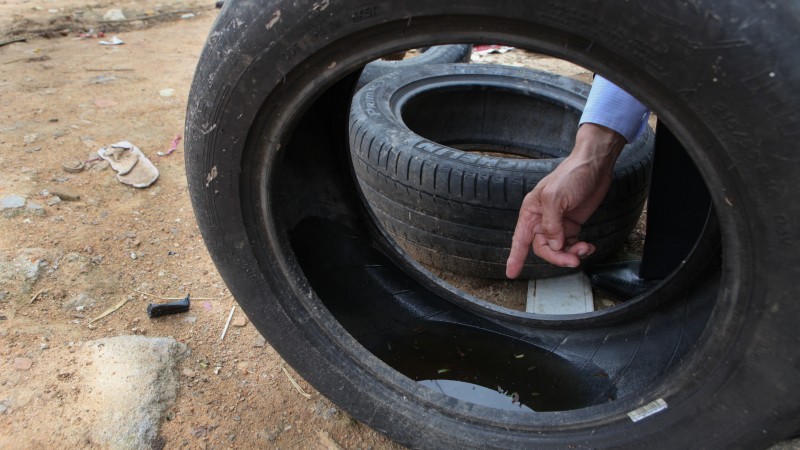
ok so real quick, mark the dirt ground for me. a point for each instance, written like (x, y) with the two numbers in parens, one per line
(60, 100)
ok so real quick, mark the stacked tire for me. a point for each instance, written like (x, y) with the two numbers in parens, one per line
(445, 154)
(439, 54)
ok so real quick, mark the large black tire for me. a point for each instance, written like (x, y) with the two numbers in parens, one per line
(713, 365)
(438, 54)
(456, 209)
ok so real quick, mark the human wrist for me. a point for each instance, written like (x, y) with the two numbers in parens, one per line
(597, 145)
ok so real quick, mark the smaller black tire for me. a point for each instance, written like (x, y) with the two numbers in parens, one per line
(455, 209)
(440, 54)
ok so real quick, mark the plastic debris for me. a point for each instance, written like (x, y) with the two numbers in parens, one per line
(91, 34)
(488, 49)
(172, 148)
(114, 15)
(165, 309)
(113, 41)
(132, 167)
(227, 324)
(167, 92)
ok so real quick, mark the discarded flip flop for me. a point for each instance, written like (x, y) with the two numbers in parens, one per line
(121, 156)
(141, 174)
(72, 166)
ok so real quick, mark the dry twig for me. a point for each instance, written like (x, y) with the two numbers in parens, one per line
(36, 296)
(110, 310)
(11, 41)
(294, 383)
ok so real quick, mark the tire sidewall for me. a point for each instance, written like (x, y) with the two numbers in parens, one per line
(753, 337)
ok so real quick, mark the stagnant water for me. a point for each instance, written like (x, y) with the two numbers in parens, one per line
(429, 339)
(521, 375)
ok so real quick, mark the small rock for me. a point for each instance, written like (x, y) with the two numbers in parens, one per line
(72, 166)
(23, 363)
(35, 208)
(187, 16)
(81, 300)
(168, 92)
(30, 138)
(189, 373)
(54, 200)
(190, 319)
(114, 14)
(102, 79)
(606, 303)
(12, 201)
(26, 267)
(324, 410)
(268, 435)
(259, 341)
(3, 407)
(65, 193)
(44, 346)
(133, 255)
(239, 321)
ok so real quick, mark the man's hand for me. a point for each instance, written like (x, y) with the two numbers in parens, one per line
(551, 215)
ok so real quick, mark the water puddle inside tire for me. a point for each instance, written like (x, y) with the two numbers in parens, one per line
(431, 340)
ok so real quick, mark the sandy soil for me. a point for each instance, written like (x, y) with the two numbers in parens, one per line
(61, 99)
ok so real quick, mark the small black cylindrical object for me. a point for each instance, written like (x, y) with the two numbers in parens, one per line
(165, 309)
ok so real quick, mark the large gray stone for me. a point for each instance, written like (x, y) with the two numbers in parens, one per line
(133, 382)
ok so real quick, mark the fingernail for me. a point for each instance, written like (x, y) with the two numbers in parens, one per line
(553, 244)
(582, 253)
(572, 266)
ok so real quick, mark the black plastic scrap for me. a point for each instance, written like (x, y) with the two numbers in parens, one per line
(165, 309)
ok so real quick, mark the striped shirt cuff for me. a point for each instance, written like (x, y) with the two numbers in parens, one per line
(610, 106)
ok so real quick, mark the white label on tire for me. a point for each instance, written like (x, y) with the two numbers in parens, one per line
(648, 410)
